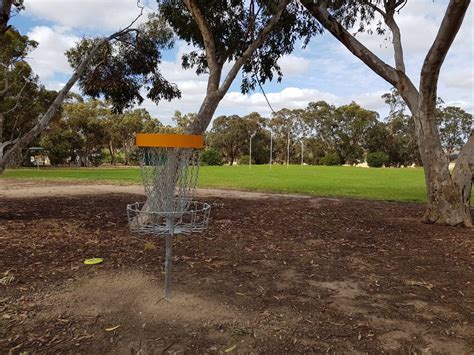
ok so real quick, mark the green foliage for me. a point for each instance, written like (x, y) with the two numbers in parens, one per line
(377, 159)
(211, 156)
(15, 47)
(96, 159)
(124, 67)
(330, 159)
(117, 158)
(231, 135)
(61, 144)
(245, 159)
(343, 128)
(455, 127)
(183, 121)
(286, 125)
(22, 98)
(234, 25)
(86, 128)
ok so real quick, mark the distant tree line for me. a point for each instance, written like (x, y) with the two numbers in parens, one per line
(90, 133)
(323, 134)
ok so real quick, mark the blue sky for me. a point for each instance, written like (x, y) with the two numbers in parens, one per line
(324, 70)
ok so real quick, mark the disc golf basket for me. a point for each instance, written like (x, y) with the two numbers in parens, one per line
(170, 166)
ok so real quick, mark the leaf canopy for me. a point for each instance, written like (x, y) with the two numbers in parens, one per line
(126, 65)
(235, 25)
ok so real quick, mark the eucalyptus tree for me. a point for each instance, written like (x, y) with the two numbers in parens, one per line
(351, 124)
(6, 8)
(229, 134)
(248, 35)
(455, 126)
(22, 97)
(448, 192)
(139, 49)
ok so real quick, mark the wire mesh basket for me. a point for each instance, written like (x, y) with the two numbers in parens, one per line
(170, 175)
(170, 168)
(194, 220)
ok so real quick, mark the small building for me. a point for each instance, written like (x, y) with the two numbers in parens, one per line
(37, 156)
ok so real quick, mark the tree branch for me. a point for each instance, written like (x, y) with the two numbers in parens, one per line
(5, 11)
(396, 36)
(43, 122)
(397, 78)
(262, 36)
(17, 99)
(5, 80)
(6, 144)
(209, 44)
(374, 7)
(448, 30)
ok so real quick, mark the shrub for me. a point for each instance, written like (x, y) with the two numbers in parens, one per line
(96, 159)
(211, 157)
(244, 160)
(330, 159)
(377, 159)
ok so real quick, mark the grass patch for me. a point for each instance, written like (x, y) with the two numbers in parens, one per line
(380, 184)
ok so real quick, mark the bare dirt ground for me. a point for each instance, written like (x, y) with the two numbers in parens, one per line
(48, 188)
(272, 274)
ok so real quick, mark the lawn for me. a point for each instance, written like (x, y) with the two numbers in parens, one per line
(380, 184)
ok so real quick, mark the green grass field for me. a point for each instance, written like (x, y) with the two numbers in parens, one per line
(380, 184)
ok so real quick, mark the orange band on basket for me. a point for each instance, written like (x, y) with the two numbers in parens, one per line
(163, 140)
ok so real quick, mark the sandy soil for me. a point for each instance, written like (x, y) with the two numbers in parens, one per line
(45, 188)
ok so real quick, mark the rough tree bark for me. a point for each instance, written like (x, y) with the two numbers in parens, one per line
(22, 142)
(448, 193)
(5, 10)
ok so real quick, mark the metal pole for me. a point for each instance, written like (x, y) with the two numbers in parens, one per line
(250, 155)
(271, 149)
(288, 150)
(169, 257)
(302, 152)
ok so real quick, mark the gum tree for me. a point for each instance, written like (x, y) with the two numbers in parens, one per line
(137, 54)
(448, 192)
(248, 35)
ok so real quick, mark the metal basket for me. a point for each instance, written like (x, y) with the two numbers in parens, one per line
(194, 219)
(170, 168)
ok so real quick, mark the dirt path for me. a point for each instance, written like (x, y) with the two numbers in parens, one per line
(53, 188)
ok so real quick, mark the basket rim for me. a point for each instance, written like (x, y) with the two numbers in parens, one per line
(203, 206)
(169, 140)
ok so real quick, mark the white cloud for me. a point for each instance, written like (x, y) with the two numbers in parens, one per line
(238, 103)
(324, 71)
(290, 97)
(294, 65)
(458, 78)
(48, 58)
(103, 15)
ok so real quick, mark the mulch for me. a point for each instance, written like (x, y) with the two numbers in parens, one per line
(303, 275)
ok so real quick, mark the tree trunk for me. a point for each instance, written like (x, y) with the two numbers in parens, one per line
(112, 154)
(28, 137)
(43, 122)
(463, 176)
(5, 10)
(206, 111)
(448, 197)
(2, 119)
